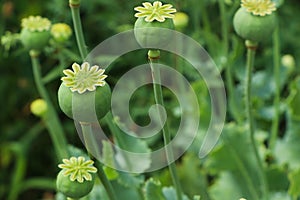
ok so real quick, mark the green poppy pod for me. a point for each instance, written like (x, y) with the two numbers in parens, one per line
(35, 33)
(252, 27)
(153, 34)
(73, 189)
(83, 106)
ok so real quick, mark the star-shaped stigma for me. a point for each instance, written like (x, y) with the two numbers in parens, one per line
(259, 7)
(36, 23)
(84, 78)
(157, 11)
(78, 169)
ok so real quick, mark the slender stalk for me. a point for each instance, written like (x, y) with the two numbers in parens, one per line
(51, 119)
(166, 133)
(20, 149)
(107, 185)
(251, 48)
(86, 128)
(90, 144)
(75, 5)
(19, 172)
(39, 183)
(31, 134)
(276, 57)
(229, 80)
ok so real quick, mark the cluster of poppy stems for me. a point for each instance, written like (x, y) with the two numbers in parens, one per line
(86, 78)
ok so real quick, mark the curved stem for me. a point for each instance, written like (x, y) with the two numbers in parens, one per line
(251, 48)
(78, 30)
(19, 172)
(276, 53)
(166, 133)
(89, 140)
(51, 119)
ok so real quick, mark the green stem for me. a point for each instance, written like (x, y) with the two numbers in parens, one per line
(196, 6)
(107, 185)
(166, 133)
(224, 26)
(51, 119)
(89, 140)
(251, 48)
(78, 29)
(57, 71)
(205, 19)
(19, 171)
(229, 80)
(276, 53)
(39, 183)
(31, 134)
(86, 128)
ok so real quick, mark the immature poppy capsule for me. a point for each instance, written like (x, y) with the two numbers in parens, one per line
(77, 177)
(61, 32)
(35, 32)
(152, 20)
(181, 20)
(39, 107)
(84, 92)
(255, 20)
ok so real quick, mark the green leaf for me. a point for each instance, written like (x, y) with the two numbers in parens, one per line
(170, 194)
(192, 177)
(130, 180)
(294, 189)
(110, 173)
(277, 178)
(234, 158)
(226, 187)
(97, 193)
(133, 145)
(287, 149)
(262, 85)
(294, 99)
(123, 192)
(108, 158)
(153, 190)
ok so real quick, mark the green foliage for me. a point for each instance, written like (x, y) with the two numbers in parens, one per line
(294, 178)
(108, 158)
(153, 190)
(287, 149)
(241, 169)
(193, 177)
